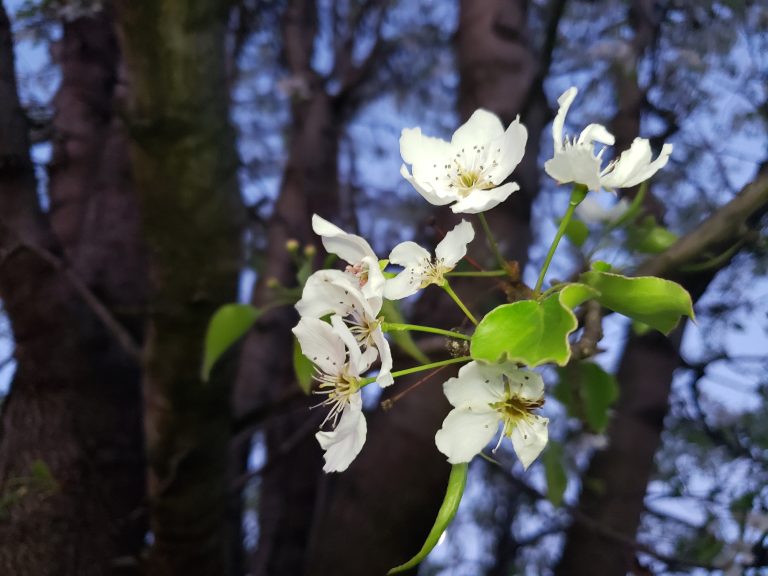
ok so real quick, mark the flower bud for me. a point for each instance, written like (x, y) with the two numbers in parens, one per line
(292, 245)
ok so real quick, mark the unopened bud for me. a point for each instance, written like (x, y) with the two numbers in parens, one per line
(273, 282)
(292, 245)
(310, 250)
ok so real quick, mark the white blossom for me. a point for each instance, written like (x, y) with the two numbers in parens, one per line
(363, 264)
(485, 397)
(575, 159)
(420, 268)
(592, 212)
(334, 292)
(468, 171)
(339, 363)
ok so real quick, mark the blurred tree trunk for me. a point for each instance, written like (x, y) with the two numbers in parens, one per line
(75, 401)
(185, 169)
(289, 485)
(383, 506)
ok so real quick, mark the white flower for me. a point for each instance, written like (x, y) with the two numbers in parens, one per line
(362, 260)
(334, 292)
(470, 168)
(592, 212)
(575, 159)
(420, 269)
(485, 396)
(339, 380)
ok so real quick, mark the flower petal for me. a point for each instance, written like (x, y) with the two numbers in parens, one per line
(373, 289)
(524, 383)
(409, 254)
(575, 164)
(405, 284)
(530, 438)
(321, 344)
(324, 293)
(384, 378)
(357, 363)
(453, 247)
(343, 444)
(348, 247)
(475, 388)
(482, 200)
(596, 133)
(481, 128)
(426, 190)
(635, 166)
(464, 434)
(565, 101)
(507, 151)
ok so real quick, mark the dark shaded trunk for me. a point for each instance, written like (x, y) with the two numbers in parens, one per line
(75, 398)
(185, 169)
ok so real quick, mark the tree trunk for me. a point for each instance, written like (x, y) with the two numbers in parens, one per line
(185, 169)
(74, 403)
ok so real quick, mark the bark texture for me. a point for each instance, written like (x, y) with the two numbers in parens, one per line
(185, 169)
(75, 397)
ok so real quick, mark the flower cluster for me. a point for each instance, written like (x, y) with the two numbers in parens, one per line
(342, 330)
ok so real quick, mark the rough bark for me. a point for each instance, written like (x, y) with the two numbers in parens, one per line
(75, 398)
(185, 169)
(615, 483)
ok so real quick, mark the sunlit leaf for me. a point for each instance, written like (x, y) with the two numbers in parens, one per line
(530, 331)
(654, 301)
(456, 483)
(227, 326)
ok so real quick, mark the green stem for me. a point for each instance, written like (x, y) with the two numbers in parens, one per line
(394, 327)
(577, 195)
(421, 368)
(459, 303)
(492, 241)
(478, 273)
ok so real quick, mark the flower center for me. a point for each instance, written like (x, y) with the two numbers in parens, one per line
(433, 272)
(337, 389)
(359, 271)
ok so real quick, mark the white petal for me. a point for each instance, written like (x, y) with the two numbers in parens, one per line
(482, 200)
(591, 211)
(634, 165)
(524, 383)
(565, 101)
(480, 129)
(384, 378)
(357, 363)
(428, 157)
(507, 151)
(374, 288)
(343, 444)
(321, 344)
(596, 133)
(348, 247)
(575, 164)
(324, 294)
(426, 190)
(408, 254)
(529, 439)
(453, 247)
(475, 388)
(464, 434)
(405, 284)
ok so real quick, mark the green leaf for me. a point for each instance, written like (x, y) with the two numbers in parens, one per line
(650, 238)
(588, 392)
(302, 367)
(227, 326)
(403, 338)
(577, 232)
(456, 483)
(530, 331)
(654, 301)
(557, 479)
(601, 266)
